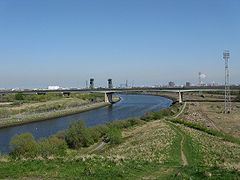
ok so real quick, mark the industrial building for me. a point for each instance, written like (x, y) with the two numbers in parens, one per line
(171, 84)
(91, 83)
(110, 84)
(188, 84)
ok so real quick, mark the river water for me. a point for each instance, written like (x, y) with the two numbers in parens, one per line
(129, 106)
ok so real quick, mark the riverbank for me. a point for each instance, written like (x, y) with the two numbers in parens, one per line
(43, 116)
(51, 115)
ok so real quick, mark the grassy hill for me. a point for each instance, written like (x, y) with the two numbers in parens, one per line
(159, 149)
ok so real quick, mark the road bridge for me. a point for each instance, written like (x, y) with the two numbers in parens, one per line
(109, 92)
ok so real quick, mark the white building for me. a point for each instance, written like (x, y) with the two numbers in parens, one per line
(53, 87)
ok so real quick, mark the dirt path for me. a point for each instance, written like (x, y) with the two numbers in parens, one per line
(183, 157)
(205, 116)
(184, 160)
(183, 108)
(99, 147)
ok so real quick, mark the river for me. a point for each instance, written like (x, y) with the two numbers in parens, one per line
(129, 106)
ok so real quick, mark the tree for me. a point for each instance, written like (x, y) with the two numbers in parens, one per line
(78, 136)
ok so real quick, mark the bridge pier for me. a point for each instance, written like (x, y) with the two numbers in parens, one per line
(41, 93)
(108, 97)
(66, 94)
(180, 97)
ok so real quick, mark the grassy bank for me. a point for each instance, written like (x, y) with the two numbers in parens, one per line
(157, 146)
(203, 128)
(104, 168)
(150, 150)
(21, 109)
(51, 115)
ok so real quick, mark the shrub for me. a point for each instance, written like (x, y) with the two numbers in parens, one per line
(23, 145)
(114, 136)
(123, 124)
(19, 97)
(101, 129)
(51, 146)
(157, 115)
(94, 134)
(78, 136)
(60, 135)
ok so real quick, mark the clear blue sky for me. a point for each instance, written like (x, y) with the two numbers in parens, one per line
(65, 42)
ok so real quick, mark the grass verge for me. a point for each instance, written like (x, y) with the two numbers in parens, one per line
(200, 127)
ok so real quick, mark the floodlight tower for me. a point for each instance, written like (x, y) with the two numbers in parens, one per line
(227, 100)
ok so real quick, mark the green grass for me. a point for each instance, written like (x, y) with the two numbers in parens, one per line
(101, 168)
(191, 151)
(201, 172)
(88, 169)
(175, 150)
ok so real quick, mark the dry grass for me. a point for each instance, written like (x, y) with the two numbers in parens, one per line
(150, 142)
(4, 158)
(211, 114)
(214, 150)
(43, 114)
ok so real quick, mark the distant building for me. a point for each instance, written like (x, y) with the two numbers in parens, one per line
(53, 87)
(110, 84)
(91, 83)
(188, 84)
(171, 84)
(126, 83)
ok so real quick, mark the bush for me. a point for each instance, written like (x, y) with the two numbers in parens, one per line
(123, 124)
(23, 145)
(101, 129)
(114, 136)
(51, 146)
(96, 135)
(19, 97)
(157, 115)
(78, 136)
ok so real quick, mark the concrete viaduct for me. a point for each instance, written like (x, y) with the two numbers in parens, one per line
(109, 92)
